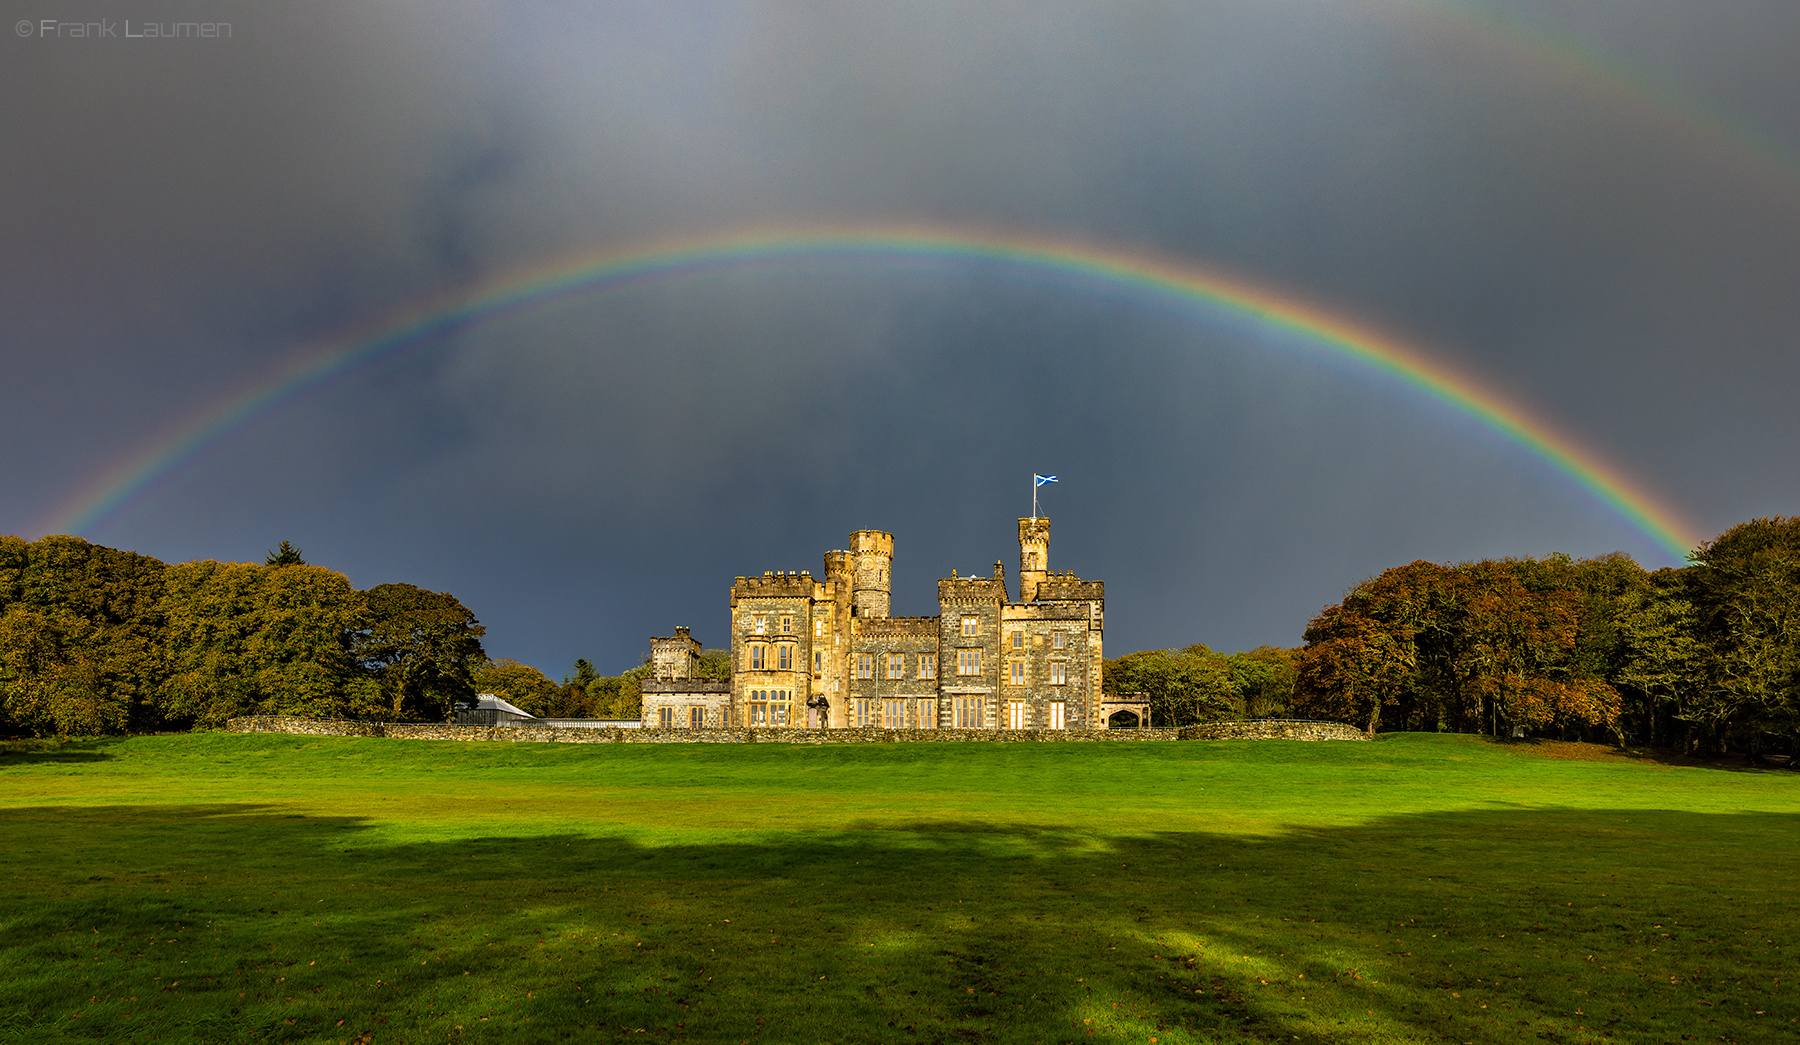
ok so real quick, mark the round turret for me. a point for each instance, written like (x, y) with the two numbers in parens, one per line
(872, 555)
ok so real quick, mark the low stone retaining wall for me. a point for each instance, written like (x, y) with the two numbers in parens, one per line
(543, 734)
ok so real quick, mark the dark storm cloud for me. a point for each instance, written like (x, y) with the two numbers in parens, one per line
(186, 216)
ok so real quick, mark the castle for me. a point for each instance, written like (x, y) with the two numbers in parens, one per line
(825, 654)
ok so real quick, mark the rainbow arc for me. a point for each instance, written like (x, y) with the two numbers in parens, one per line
(1133, 274)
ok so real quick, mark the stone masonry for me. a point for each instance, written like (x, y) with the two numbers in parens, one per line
(826, 654)
(613, 735)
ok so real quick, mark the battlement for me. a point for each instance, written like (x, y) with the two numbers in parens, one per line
(965, 590)
(1066, 587)
(897, 627)
(774, 584)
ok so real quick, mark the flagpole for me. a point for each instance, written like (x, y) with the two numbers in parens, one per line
(1034, 486)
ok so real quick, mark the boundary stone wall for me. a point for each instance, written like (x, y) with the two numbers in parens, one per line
(608, 735)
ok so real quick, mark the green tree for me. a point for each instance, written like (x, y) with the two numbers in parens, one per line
(1662, 662)
(79, 637)
(1264, 680)
(1745, 587)
(243, 639)
(715, 665)
(1183, 686)
(422, 647)
(523, 686)
(285, 555)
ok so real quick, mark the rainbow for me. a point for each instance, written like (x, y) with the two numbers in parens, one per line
(1114, 271)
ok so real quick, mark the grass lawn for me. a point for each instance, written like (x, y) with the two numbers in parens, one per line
(1422, 888)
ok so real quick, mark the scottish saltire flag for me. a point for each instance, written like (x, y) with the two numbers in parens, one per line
(1042, 479)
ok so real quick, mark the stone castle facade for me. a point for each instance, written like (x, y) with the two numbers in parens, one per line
(824, 653)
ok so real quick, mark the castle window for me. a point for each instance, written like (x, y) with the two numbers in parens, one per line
(665, 717)
(1018, 673)
(968, 662)
(760, 625)
(1059, 639)
(784, 657)
(758, 657)
(1018, 640)
(893, 714)
(927, 714)
(1056, 715)
(1015, 714)
(818, 627)
(896, 666)
(969, 625)
(968, 712)
(1059, 673)
(787, 625)
(928, 665)
(818, 662)
(865, 666)
(862, 713)
(696, 718)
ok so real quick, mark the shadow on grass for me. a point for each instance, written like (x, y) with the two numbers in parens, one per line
(46, 750)
(233, 922)
(1581, 751)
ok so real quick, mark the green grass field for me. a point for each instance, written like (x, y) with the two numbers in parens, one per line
(256, 888)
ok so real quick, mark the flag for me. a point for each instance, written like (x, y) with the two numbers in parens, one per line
(1042, 479)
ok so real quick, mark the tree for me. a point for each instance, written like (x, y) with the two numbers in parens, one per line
(523, 686)
(714, 666)
(79, 637)
(1264, 680)
(1662, 661)
(1352, 667)
(285, 555)
(1183, 686)
(1469, 644)
(1745, 587)
(243, 639)
(422, 647)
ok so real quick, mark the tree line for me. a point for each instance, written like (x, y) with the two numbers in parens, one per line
(96, 640)
(1704, 657)
(584, 693)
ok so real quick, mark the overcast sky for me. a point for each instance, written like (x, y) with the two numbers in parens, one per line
(1590, 206)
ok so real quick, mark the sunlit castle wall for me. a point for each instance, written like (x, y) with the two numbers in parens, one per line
(873, 552)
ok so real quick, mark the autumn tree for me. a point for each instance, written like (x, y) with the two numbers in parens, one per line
(1462, 645)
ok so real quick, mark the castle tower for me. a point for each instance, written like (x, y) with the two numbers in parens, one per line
(872, 553)
(1034, 556)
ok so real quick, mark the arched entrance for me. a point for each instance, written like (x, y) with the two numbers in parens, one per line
(1124, 711)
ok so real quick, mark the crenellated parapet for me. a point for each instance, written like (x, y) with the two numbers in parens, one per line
(971, 591)
(1064, 586)
(774, 584)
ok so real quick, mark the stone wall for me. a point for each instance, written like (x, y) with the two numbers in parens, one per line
(541, 734)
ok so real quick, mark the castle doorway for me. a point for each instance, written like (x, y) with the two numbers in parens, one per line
(1124, 711)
